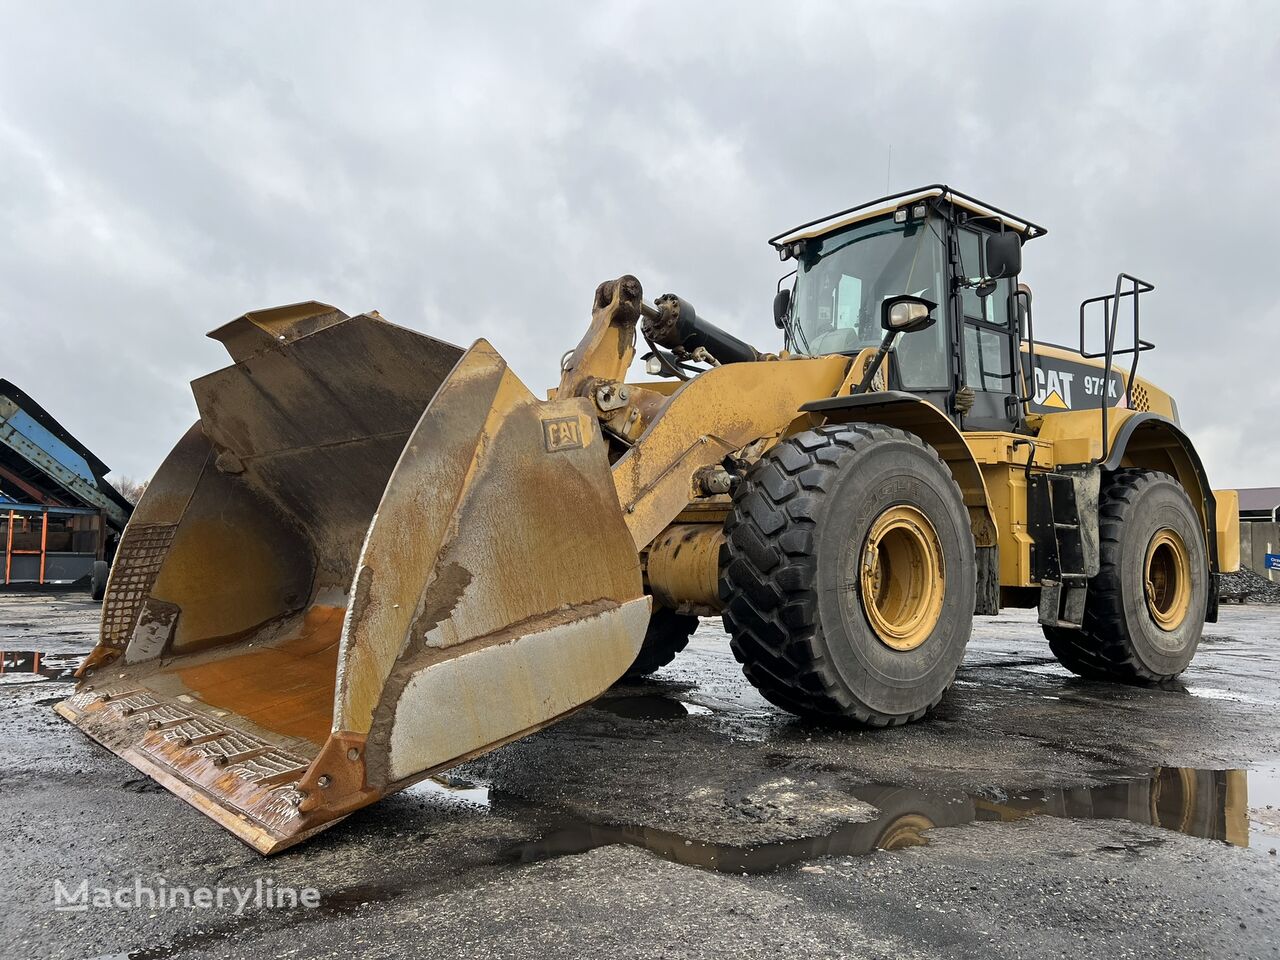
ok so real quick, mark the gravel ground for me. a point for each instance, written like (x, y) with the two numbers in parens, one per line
(1034, 815)
(1249, 586)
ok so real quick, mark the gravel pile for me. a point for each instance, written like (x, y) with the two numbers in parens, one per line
(1248, 586)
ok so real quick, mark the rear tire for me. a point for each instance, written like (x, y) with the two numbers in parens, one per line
(98, 580)
(850, 578)
(1066, 646)
(1144, 611)
(668, 633)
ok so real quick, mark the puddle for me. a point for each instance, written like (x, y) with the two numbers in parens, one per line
(1264, 808)
(1216, 693)
(451, 790)
(649, 706)
(1212, 804)
(1047, 669)
(26, 666)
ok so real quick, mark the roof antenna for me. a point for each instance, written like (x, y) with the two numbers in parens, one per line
(887, 167)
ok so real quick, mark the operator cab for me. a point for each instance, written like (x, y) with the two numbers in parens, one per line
(932, 243)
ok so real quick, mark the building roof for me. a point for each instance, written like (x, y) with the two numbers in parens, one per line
(1259, 498)
(42, 463)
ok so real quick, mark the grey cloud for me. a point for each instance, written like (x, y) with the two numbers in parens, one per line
(476, 170)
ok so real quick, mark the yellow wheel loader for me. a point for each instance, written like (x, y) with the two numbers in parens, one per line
(377, 555)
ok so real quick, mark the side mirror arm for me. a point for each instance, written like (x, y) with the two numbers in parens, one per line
(874, 366)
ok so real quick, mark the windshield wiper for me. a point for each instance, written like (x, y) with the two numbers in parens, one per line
(798, 336)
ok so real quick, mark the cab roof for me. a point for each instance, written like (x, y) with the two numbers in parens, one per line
(877, 208)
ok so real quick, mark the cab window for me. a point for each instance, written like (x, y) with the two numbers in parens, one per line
(987, 333)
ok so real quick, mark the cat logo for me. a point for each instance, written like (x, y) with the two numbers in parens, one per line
(1072, 385)
(1053, 388)
(562, 433)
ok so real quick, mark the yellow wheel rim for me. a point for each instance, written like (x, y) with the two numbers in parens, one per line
(1167, 579)
(907, 831)
(1173, 799)
(902, 577)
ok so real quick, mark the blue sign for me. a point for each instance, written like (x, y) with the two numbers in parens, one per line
(1273, 561)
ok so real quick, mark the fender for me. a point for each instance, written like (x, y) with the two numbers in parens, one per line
(1157, 443)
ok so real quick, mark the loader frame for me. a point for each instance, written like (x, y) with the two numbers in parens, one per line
(378, 555)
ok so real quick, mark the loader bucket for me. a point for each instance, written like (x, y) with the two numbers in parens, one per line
(374, 557)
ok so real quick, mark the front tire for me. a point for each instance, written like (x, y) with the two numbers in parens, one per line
(667, 634)
(1144, 611)
(850, 579)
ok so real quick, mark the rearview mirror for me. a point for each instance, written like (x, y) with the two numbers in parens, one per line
(906, 314)
(781, 304)
(1004, 255)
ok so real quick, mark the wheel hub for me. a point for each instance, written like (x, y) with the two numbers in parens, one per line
(902, 577)
(1167, 579)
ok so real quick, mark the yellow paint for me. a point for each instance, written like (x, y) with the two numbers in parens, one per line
(1004, 470)
(478, 539)
(1076, 435)
(683, 568)
(714, 414)
(1228, 510)
(226, 578)
(1235, 809)
(609, 345)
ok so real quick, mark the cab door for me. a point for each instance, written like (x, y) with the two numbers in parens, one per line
(988, 340)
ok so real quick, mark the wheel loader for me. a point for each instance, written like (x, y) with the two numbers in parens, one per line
(377, 554)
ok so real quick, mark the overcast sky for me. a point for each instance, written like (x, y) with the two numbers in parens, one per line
(476, 169)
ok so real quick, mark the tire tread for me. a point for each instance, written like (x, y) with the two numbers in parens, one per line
(668, 634)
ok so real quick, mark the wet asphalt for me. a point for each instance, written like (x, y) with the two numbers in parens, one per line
(1033, 815)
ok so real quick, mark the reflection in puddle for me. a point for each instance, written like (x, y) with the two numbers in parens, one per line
(28, 665)
(1201, 803)
(1216, 693)
(645, 707)
(650, 706)
(1264, 808)
(450, 789)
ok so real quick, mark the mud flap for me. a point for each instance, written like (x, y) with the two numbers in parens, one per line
(322, 598)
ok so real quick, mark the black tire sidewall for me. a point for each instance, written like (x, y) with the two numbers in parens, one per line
(1160, 504)
(884, 474)
(98, 579)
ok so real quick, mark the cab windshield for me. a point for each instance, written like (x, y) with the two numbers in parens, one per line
(843, 279)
